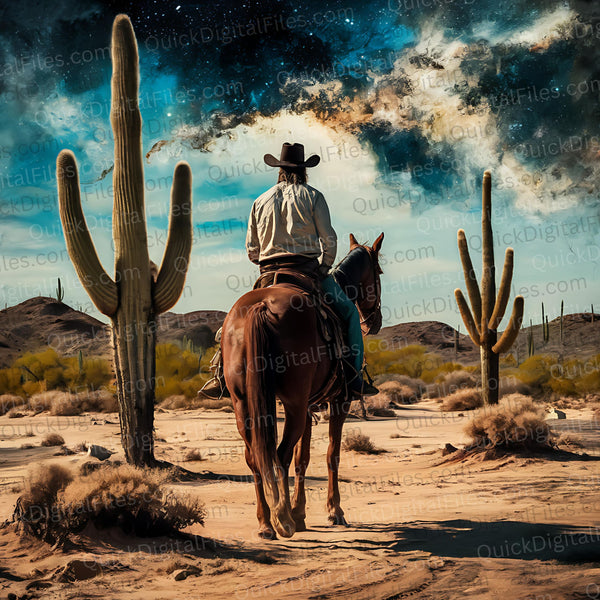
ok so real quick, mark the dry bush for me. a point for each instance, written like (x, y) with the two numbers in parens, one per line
(399, 392)
(511, 385)
(181, 402)
(43, 400)
(193, 455)
(10, 401)
(417, 386)
(360, 443)
(99, 401)
(515, 422)
(452, 382)
(381, 412)
(463, 399)
(176, 402)
(53, 439)
(135, 499)
(13, 413)
(65, 405)
(570, 441)
(35, 508)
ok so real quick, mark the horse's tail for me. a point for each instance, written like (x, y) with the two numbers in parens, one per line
(260, 394)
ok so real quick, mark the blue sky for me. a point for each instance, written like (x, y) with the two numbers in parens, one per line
(407, 107)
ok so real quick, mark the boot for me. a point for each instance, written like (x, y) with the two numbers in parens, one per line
(215, 387)
(359, 386)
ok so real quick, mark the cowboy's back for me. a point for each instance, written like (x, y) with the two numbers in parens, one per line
(291, 219)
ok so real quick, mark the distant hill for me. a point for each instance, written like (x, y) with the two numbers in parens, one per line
(40, 322)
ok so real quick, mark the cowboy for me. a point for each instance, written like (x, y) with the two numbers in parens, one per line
(290, 227)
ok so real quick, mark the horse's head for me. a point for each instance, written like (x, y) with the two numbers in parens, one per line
(358, 274)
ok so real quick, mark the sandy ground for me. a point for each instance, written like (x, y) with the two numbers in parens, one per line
(420, 526)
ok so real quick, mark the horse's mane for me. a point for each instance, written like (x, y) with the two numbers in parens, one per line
(342, 272)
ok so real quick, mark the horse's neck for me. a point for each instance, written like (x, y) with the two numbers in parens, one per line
(349, 279)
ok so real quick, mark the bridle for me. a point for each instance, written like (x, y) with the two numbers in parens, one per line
(371, 319)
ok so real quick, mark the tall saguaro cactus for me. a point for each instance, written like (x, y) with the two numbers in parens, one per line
(135, 296)
(487, 307)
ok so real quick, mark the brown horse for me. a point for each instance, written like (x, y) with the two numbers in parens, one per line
(272, 348)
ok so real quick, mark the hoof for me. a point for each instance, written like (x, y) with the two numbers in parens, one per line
(267, 533)
(300, 525)
(286, 531)
(338, 520)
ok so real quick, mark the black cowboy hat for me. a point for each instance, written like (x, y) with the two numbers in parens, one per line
(292, 155)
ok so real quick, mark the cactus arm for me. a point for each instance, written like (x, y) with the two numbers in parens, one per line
(504, 290)
(96, 281)
(488, 283)
(174, 266)
(470, 277)
(512, 330)
(467, 317)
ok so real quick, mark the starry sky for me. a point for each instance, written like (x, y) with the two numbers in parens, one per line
(406, 101)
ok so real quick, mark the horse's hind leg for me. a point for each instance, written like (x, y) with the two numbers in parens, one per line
(263, 513)
(338, 411)
(301, 459)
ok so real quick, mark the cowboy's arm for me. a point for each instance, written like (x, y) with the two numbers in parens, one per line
(327, 235)
(252, 243)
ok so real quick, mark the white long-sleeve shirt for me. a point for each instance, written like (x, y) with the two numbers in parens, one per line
(291, 219)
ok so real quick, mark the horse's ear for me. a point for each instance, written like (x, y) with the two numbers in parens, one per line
(353, 242)
(377, 243)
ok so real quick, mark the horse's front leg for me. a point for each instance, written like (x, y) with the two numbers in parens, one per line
(301, 459)
(338, 411)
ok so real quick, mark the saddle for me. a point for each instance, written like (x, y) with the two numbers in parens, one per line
(329, 324)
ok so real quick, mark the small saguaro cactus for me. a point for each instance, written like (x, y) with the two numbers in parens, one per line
(530, 341)
(60, 292)
(136, 295)
(487, 308)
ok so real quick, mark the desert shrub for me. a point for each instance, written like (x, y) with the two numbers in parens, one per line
(193, 455)
(133, 498)
(417, 386)
(434, 368)
(10, 401)
(178, 372)
(515, 422)
(381, 411)
(452, 382)
(413, 360)
(53, 439)
(101, 400)
(570, 441)
(400, 393)
(68, 404)
(11, 382)
(361, 443)
(462, 399)
(182, 402)
(509, 384)
(44, 366)
(34, 509)
(35, 373)
(65, 405)
(14, 413)
(535, 372)
(44, 400)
